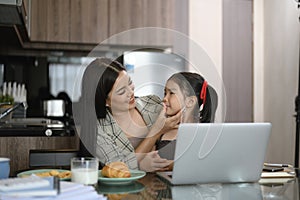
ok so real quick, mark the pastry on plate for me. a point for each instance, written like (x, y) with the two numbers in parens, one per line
(116, 170)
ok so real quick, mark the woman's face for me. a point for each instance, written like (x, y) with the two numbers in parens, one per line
(174, 98)
(121, 97)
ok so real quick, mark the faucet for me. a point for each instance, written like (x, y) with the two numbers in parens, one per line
(4, 103)
(9, 110)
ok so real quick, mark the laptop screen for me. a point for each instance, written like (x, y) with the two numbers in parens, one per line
(220, 152)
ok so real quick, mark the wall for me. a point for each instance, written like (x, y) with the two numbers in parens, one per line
(205, 29)
(237, 59)
(275, 63)
(223, 28)
(276, 47)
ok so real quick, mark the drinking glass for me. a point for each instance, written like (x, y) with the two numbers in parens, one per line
(4, 167)
(84, 170)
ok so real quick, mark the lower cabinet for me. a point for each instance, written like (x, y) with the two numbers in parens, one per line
(17, 148)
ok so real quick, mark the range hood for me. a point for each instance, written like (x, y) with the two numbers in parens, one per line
(12, 12)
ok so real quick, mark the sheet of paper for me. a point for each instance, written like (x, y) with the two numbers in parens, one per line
(69, 190)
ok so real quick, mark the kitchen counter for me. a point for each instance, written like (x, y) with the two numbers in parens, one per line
(28, 130)
(35, 127)
(19, 141)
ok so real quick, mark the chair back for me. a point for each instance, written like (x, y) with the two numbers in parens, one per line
(51, 158)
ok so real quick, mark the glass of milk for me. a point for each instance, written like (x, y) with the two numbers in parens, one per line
(84, 170)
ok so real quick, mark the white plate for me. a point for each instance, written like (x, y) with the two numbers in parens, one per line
(133, 187)
(30, 172)
(135, 175)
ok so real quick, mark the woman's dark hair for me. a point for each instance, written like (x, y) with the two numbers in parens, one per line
(97, 81)
(105, 84)
(191, 85)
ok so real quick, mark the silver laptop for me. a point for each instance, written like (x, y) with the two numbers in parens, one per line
(219, 153)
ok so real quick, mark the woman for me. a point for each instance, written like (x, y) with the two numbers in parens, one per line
(127, 127)
(190, 93)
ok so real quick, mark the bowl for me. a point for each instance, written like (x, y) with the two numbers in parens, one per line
(4, 167)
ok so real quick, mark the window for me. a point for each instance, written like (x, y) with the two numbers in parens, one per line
(65, 77)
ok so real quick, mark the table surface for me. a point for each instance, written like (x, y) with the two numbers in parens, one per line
(154, 187)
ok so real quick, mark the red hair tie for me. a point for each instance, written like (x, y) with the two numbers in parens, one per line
(203, 92)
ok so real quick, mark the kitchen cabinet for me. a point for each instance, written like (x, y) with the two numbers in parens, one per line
(17, 148)
(49, 20)
(66, 21)
(128, 14)
(88, 21)
(93, 21)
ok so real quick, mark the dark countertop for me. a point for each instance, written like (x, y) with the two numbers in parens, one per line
(29, 130)
(24, 127)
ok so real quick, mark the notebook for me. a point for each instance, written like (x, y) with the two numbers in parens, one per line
(31, 186)
(219, 153)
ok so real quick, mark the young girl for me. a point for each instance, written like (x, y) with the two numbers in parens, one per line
(190, 93)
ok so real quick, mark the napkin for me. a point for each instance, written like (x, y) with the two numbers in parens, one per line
(68, 191)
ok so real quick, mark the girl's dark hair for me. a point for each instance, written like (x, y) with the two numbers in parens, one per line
(191, 85)
(105, 84)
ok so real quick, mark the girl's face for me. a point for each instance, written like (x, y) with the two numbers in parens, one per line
(121, 97)
(174, 98)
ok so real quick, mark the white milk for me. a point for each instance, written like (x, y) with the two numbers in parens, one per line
(85, 176)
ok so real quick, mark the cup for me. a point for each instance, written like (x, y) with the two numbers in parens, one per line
(4, 168)
(84, 170)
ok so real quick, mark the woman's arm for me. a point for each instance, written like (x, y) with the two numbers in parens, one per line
(108, 150)
(161, 126)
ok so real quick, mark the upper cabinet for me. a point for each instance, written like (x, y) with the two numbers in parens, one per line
(88, 21)
(75, 21)
(129, 14)
(93, 21)
(49, 20)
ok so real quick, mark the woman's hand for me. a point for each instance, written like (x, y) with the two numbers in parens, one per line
(172, 122)
(153, 162)
(164, 123)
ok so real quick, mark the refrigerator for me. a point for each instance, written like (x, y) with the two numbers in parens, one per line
(150, 70)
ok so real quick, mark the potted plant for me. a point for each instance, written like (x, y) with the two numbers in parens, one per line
(6, 100)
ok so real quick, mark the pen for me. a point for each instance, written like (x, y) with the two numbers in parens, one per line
(277, 165)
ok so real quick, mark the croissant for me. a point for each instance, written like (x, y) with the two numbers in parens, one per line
(116, 170)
